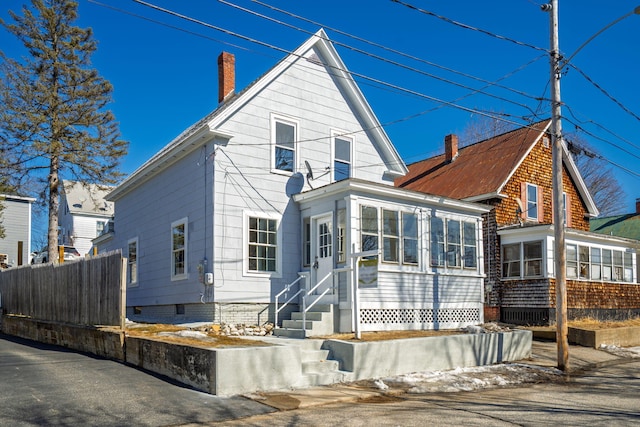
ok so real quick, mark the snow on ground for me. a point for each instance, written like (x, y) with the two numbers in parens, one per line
(633, 352)
(470, 379)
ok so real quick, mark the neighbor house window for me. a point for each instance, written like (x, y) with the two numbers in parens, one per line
(179, 239)
(606, 264)
(532, 202)
(341, 158)
(470, 245)
(132, 262)
(594, 263)
(511, 260)
(262, 244)
(409, 238)
(628, 267)
(525, 254)
(100, 226)
(284, 141)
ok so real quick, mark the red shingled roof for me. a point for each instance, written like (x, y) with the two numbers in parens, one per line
(480, 168)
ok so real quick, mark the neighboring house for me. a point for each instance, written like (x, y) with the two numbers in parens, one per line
(627, 226)
(280, 185)
(83, 214)
(512, 174)
(15, 248)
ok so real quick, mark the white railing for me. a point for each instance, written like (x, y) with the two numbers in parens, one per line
(286, 289)
(317, 298)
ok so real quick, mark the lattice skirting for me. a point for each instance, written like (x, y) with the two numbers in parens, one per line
(406, 316)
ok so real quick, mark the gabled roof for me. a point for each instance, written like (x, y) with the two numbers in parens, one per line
(481, 170)
(87, 199)
(209, 127)
(619, 225)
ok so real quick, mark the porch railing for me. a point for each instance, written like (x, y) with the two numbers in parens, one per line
(286, 289)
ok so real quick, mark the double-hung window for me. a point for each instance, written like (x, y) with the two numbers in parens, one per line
(523, 260)
(262, 245)
(409, 238)
(179, 239)
(532, 202)
(341, 158)
(132, 262)
(284, 134)
(437, 242)
(390, 236)
(369, 228)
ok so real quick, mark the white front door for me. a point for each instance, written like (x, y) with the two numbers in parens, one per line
(322, 262)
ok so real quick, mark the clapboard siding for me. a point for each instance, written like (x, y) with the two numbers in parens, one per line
(16, 220)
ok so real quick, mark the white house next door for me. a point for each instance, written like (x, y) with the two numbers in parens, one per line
(322, 241)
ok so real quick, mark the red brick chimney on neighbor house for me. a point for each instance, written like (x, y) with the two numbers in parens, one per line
(638, 206)
(226, 75)
(450, 148)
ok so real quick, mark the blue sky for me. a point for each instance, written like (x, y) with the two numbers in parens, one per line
(165, 76)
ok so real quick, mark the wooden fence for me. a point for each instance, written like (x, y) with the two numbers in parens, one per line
(87, 292)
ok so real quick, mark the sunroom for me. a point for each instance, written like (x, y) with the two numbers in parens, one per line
(600, 271)
(428, 262)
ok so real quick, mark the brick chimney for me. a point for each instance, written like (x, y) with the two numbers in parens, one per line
(638, 206)
(450, 148)
(226, 75)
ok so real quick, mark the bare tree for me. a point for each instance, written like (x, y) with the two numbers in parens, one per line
(484, 127)
(605, 189)
(54, 121)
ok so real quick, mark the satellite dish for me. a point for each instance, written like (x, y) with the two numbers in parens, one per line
(309, 173)
(519, 202)
(519, 210)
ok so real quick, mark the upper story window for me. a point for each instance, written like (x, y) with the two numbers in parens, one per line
(341, 158)
(179, 239)
(284, 135)
(532, 202)
(132, 262)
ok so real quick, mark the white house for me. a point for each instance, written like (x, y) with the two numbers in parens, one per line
(273, 192)
(83, 214)
(15, 218)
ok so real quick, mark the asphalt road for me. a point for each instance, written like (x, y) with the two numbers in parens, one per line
(48, 385)
(608, 396)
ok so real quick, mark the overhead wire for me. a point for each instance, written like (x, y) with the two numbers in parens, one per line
(378, 57)
(352, 73)
(469, 27)
(397, 52)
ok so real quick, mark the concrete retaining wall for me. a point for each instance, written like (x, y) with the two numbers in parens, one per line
(621, 337)
(386, 358)
(103, 342)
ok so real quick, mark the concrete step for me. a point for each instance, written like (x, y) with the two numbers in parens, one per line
(313, 355)
(289, 333)
(311, 315)
(316, 379)
(320, 367)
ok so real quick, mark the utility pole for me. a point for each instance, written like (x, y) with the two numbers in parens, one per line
(558, 198)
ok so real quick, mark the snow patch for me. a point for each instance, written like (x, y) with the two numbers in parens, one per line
(633, 352)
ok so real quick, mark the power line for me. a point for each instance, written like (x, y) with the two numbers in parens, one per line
(469, 27)
(604, 92)
(606, 141)
(403, 54)
(352, 73)
(380, 58)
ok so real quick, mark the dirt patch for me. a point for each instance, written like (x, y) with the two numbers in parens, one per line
(594, 324)
(389, 335)
(206, 339)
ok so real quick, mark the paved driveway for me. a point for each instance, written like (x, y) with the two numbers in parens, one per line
(48, 385)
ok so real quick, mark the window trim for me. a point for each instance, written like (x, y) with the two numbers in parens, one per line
(276, 118)
(351, 140)
(245, 245)
(133, 283)
(535, 218)
(182, 276)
